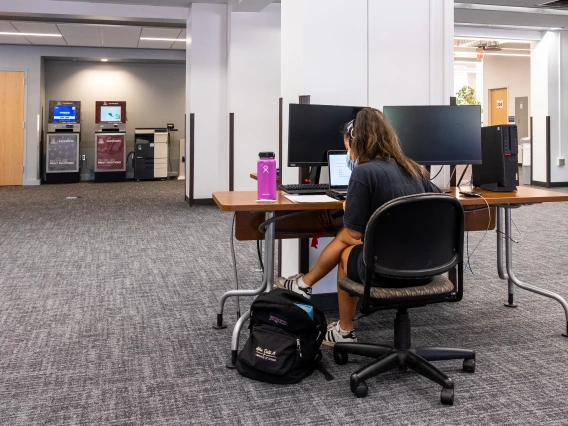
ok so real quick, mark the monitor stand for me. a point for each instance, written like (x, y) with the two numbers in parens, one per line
(494, 187)
(315, 173)
(445, 189)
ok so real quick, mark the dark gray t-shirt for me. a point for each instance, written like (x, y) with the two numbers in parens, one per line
(373, 184)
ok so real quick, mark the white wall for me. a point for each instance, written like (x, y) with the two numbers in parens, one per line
(28, 59)
(254, 88)
(549, 63)
(324, 55)
(348, 52)
(207, 79)
(154, 95)
(514, 73)
(539, 107)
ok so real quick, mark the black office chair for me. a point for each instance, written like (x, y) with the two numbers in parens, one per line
(412, 238)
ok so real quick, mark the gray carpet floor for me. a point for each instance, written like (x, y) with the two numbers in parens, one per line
(107, 301)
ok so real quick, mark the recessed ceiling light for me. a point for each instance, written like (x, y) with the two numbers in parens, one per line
(31, 34)
(161, 39)
(104, 60)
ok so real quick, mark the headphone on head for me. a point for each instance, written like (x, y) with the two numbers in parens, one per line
(349, 128)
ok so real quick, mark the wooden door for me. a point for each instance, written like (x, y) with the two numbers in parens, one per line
(11, 127)
(498, 107)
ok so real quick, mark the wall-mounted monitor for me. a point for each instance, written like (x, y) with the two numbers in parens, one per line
(314, 130)
(64, 112)
(438, 134)
(110, 112)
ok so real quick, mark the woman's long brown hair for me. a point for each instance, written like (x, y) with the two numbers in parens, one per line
(375, 137)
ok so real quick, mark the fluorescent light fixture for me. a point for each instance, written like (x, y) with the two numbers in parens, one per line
(503, 26)
(485, 53)
(31, 34)
(515, 9)
(161, 39)
(104, 60)
(487, 38)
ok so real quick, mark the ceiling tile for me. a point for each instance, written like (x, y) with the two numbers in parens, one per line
(51, 41)
(81, 35)
(181, 43)
(151, 44)
(6, 27)
(36, 27)
(4, 39)
(120, 36)
(161, 32)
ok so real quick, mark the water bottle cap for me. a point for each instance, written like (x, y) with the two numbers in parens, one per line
(266, 155)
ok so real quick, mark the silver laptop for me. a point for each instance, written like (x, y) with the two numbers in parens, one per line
(339, 173)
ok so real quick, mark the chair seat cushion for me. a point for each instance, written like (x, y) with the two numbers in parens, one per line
(439, 285)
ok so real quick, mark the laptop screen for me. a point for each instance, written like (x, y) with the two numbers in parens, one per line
(339, 173)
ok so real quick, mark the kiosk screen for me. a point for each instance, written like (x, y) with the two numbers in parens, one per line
(64, 114)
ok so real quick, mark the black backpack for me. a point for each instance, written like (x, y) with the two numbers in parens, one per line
(286, 332)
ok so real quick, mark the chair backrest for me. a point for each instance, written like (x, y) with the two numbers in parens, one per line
(416, 236)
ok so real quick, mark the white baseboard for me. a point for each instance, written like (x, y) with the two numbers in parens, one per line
(32, 182)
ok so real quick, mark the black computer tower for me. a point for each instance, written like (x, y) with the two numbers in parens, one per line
(143, 160)
(499, 170)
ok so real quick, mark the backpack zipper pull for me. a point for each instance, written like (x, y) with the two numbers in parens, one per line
(299, 347)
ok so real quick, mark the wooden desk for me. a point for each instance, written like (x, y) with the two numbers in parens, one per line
(246, 202)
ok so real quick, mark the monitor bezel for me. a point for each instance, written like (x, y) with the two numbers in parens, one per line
(445, 162)
(312, 163)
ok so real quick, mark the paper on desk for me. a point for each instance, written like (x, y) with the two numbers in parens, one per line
(310, 199)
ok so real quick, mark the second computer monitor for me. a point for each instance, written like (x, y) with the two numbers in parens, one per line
(314, 130)
(438, 134)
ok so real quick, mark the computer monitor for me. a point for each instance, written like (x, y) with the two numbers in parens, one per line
(110, 112)
(68, 112)
(438, 134)
(314, 130)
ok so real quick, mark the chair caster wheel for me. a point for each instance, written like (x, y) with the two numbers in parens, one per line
(360, 390)
(447, 396)
(469, 365)
(340, 358)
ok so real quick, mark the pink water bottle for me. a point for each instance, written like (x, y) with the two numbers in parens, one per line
(266, 176)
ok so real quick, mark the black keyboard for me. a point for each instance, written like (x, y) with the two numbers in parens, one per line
(305, 188)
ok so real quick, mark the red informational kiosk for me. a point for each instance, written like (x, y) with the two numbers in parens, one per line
(110, 141)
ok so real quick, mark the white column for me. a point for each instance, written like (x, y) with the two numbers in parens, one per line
(549, 63)
(254, 88)
(206, 68)
(365, 53)
(324, 55)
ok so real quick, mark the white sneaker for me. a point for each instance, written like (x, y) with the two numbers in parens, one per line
(291, 283)
(333, 335)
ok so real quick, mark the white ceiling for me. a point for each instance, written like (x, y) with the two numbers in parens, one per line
(92, 35)
(171, 3)
(521, 17)
(97, 34)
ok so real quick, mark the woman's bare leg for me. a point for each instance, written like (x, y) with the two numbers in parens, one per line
(347, 303)
(330, 257)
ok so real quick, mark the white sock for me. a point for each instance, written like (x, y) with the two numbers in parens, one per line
(301, 283)
(342, 331)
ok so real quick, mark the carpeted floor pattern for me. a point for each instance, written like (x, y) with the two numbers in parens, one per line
(107, 301)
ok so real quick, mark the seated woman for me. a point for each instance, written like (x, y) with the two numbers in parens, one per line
(383, 173)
